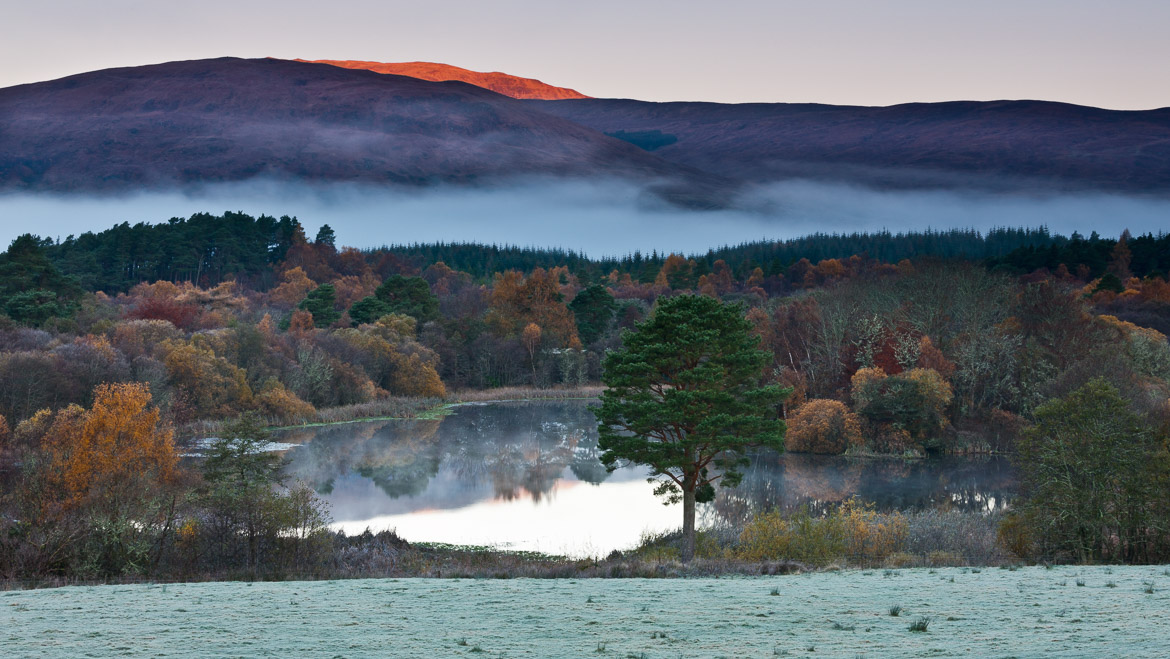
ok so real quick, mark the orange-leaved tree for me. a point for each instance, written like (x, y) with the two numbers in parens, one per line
(106, 477)
(113, 451)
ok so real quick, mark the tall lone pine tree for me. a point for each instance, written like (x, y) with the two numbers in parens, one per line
(683, 396)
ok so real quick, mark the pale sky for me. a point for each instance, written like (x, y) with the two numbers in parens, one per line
(867, 52)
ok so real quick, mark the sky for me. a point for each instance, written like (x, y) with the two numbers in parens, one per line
(864, 52)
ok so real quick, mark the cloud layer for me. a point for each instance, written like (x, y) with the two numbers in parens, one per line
(596, 218)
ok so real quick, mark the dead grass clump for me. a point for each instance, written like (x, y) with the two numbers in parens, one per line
(971, 536)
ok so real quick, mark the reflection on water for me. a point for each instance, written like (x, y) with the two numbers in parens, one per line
(526, 475)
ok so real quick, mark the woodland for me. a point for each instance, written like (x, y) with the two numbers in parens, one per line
(119, 348)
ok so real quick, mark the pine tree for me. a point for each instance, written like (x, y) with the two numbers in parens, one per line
(684, 398)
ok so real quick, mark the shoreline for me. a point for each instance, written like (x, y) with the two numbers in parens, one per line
(411, 409)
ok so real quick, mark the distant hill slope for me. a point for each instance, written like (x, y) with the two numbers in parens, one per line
(501, 83)
(233, 119)
(1010, 144)
(204, 121)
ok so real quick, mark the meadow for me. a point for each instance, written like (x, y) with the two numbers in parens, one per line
(1068, 611)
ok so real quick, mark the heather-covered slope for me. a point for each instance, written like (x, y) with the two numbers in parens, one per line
(501, 83)
(1010, 144)
(232, 119)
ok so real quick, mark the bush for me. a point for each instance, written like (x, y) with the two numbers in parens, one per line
(971, 536)
(822, 426)
(277, 402)
(855, 532)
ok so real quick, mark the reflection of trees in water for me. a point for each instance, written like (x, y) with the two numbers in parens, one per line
(399, 456)
(520, 450)
(515, 448)
(821, 483)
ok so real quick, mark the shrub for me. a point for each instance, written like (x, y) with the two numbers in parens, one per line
(275, 401)
(855, 531)
(822, 426)
(971, 536)
(1015, 535)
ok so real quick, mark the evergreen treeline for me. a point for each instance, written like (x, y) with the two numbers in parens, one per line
(206, 249)
(1149, 255)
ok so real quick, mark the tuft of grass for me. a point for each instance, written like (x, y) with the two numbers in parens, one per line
(775, 592)
(920, 624)
(589, 600)
(896, 610)
(476, 649)
(600, 648)
(461, 642)
(1080, 582)
(1148, 587)
(843, 628)
(1111, 584)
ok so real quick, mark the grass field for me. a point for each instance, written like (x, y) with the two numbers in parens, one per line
(990, 612)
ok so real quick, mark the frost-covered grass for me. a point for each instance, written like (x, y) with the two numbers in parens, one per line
(1031, 611)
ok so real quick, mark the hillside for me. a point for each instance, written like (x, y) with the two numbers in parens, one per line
(501, 83)
(231, 119)
(206, 121)
(1004, 144)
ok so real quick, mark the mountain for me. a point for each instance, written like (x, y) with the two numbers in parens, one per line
(501, 83)
(233, 119)
(205, 121)
(1001, 144)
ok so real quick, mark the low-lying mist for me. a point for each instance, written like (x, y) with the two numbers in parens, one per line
(597, 218)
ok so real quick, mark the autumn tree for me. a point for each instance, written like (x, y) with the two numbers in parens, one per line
(684, 398)
(517, 301)
(823, 426)
(530, 337)
(111, 466)
(293, 288)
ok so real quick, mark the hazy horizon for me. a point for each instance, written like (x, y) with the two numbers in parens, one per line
(595, 218)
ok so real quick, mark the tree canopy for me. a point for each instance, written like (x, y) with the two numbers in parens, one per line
(684, 397)
(410, 296)
(1093, 477)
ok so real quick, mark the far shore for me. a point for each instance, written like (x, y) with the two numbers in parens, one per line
(401, 408)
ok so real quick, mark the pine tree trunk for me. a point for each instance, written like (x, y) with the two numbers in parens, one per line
(688, 548)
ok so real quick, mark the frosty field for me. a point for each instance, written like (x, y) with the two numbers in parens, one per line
(988, 613)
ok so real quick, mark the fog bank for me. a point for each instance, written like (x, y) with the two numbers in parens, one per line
(607, 218)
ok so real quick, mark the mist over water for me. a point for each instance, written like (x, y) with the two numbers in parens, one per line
(597, 218)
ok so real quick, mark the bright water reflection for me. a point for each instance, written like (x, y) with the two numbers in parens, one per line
(526, 476)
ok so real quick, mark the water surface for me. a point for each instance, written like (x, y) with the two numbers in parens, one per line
(526, 475)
